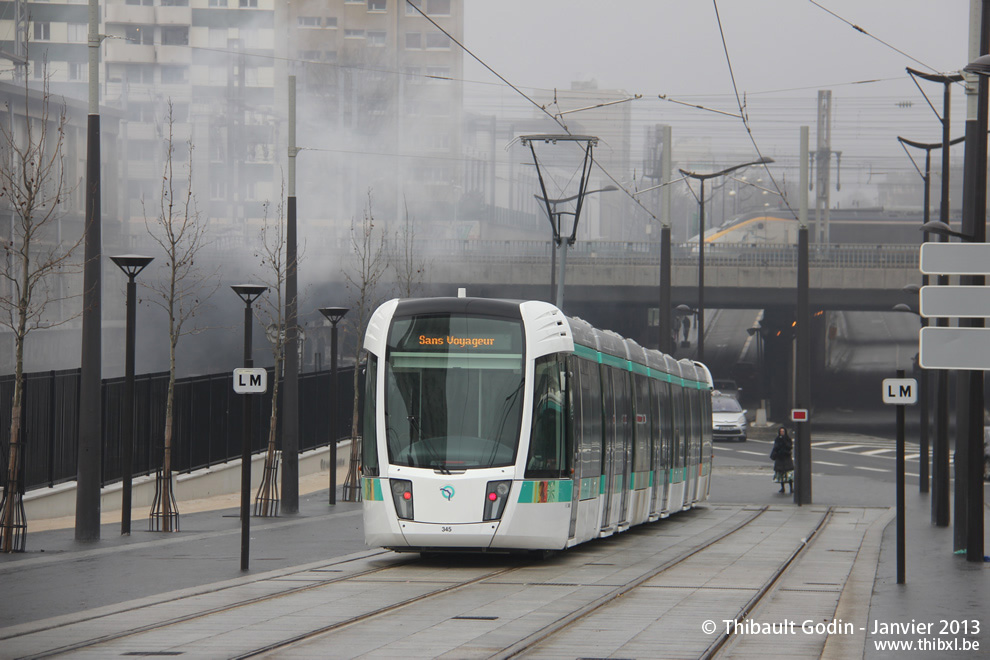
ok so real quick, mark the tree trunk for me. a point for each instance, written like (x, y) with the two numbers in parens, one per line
(265, 498)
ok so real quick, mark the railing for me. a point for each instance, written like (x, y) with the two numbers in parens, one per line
(207, 422)
(683, 254)
(639, 253)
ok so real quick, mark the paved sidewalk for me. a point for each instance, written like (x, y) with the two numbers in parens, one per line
(940, 585)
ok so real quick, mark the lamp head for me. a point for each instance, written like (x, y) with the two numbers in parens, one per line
(980, 66)
(131, 264)
(249, 292)
(334, 314)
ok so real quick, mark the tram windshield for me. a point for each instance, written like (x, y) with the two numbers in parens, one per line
(454, 387)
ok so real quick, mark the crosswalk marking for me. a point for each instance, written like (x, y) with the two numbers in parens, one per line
(863, 467)
(874, 452)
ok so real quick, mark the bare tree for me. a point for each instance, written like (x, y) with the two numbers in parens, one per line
(33, 189)
(181, 291)
(271, 314)
(410, 271)
(368, 245)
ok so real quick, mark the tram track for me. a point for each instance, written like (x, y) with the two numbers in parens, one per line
(728, 632)
(378, 615)
(559, 626)
(289, 591)
(522, 645)
(542, 642)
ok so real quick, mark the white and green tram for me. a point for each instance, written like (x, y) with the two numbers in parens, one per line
(501, 425)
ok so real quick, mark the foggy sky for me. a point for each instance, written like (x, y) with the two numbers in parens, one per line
(781, 52)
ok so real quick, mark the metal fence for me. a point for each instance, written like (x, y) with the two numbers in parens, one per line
(633, 253)
(207, 421)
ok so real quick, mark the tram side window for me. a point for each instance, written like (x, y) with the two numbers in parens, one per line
(642, 447)
(666, 424)
(706, 425)
(622, 419)
(656, 425)
(549, 453)
(369, 443)
(591, 420)
(680, 427)
(691, 399)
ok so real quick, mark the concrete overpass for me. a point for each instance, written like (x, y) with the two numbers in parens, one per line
(846, 277)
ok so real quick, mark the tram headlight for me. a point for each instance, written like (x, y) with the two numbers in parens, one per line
(403, 498)
(497, 494)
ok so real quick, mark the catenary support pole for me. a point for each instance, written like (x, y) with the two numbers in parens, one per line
(290, 397)
(802, 490)
(90, 442)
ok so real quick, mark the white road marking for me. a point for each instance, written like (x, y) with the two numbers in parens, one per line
(832, 464)
(860, 467)
(754, 453)
(874, 452)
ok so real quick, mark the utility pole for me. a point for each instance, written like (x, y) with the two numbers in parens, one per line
(823, 166)
(90, 443)
(290, 400)
(802, 486)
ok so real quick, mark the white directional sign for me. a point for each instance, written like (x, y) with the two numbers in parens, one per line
(954, 348)
(955, 258)
(955, 301)
(250, 381)
(900, 391)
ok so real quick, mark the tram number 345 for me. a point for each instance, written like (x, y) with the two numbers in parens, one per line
(446, 529)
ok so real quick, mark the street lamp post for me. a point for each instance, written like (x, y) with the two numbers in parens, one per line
(940, 475)
(926, 177)
(248, 293)
(702, 177)
(976, 204)
(334, 315)
(131, 265)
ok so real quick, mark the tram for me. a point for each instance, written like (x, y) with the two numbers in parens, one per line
(498, 425)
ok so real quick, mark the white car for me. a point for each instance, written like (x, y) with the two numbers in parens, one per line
(728, 419)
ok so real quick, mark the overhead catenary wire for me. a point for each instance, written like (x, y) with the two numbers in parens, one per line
(742, 114)
(871, 36)
(556, 118)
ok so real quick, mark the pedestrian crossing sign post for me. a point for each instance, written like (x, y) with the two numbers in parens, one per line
(900, 391)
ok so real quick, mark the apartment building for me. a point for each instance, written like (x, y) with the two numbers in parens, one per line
(378, 94)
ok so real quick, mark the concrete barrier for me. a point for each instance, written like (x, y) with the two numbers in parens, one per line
(221, 479)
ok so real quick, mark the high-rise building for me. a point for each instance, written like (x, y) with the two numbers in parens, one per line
(378, 101)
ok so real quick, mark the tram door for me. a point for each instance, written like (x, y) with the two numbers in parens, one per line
(624, 440)
(690, 442)
(574, 428)
(660, 402)
(677, 446)
(608, 449)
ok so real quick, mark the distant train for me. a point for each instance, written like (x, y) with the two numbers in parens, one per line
(845, 226)
(499, 425)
